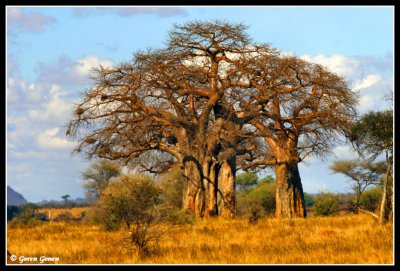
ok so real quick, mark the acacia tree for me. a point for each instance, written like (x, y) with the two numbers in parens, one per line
(371, 136)
(65, 198)
(362, 174)
(301, 110)
(97, 177)
(168, 106)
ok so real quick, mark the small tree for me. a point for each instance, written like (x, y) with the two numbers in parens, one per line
(136, 201)
(97, 177)
(362, 174)
(371, 136)
(65, 198)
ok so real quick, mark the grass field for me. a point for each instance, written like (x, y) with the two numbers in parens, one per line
(54, 212)
(345, 239)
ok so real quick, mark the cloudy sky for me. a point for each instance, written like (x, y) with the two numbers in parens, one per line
(51, 50)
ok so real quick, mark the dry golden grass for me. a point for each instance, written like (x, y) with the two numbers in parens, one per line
(347, 239)
(75, 212)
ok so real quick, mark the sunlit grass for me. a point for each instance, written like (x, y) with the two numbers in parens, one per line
(54, 212)
(347, 239)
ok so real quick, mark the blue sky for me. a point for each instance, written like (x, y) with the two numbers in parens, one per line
(50, 51)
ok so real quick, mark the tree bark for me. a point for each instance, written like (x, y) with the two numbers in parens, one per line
(386, 209)
(194, 190)
(211, 184)
(289, 191)
(226, 180)
(210, 190)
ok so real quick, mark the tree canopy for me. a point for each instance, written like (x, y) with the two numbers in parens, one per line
(213, 101)
(97, 177)
(372, 135)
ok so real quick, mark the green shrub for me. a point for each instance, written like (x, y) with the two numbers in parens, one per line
(171, 184)
(246, 180)
(309, 200)
(261, 197)
(326, 204)
(371, 198)
(12, 211)
(126, 200)
(26, 216)
(137, 202)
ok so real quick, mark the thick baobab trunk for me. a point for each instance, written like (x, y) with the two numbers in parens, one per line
(194, 191)
(226, 181)
(201, 188)
(211, 188)
(289, 191)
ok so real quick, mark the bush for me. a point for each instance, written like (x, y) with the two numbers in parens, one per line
(261, 198)
(12, 211)
(137, 202)
(26, 216)
(246, 180)
(171, 184)
(371, 198)
(326, 204)
(309, 200)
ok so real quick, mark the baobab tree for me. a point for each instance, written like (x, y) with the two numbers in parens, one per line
(213, 102)
(302, 110)
(168, 106)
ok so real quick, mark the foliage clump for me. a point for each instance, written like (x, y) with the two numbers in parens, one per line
(25, 216)
(258, 200)
(371, 199)
(326, 204)
(137, 202)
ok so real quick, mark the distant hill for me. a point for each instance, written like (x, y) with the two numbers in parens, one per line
(15, 198)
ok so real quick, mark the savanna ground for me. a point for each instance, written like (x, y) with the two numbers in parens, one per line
(342, 239)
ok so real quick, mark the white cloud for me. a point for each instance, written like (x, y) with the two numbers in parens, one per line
(49, 139)
(19, 20)
(55, 111)
(370, 76)
(368, 81)
(85, 65)
(340, 64)
(286, 53)
(368, 103)
(22, 95)
(344, 152)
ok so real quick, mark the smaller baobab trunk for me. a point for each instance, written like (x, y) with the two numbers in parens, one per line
(289, 190)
